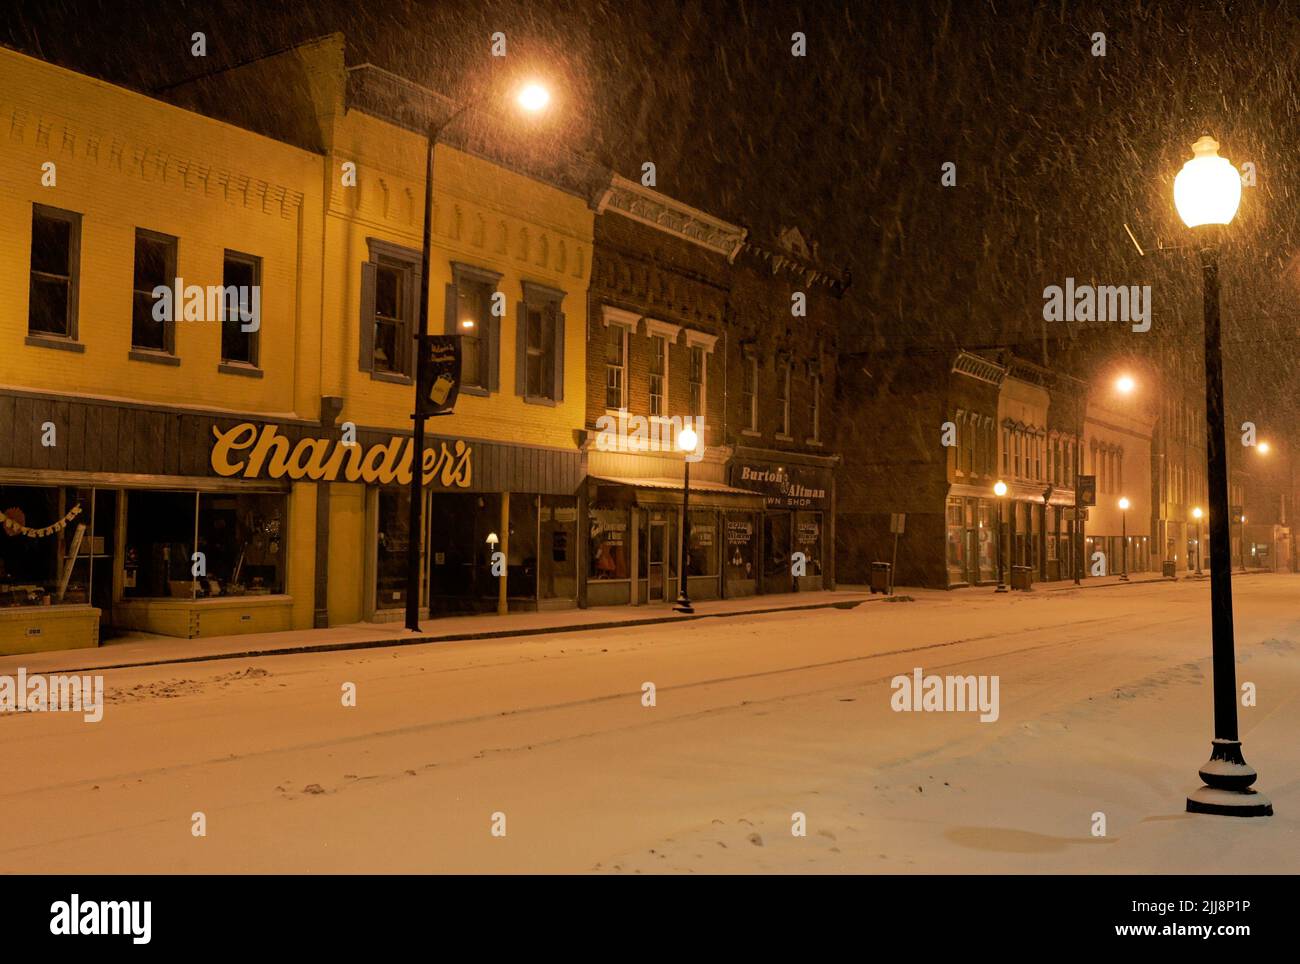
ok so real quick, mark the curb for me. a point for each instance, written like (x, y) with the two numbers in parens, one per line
(1111, 585)
(394, 641)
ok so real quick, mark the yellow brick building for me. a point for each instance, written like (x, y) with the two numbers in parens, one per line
(220, 472)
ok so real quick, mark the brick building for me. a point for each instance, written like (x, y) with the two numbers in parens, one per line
(656, 363)
(784, 315)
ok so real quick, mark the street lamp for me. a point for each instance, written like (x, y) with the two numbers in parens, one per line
(1206, 193)
(687, 441)
(1125, 384)
(1196, 514)
(1262, 448)
(1000, 490)
(1123, 510)
(529, 99)
(533, 97)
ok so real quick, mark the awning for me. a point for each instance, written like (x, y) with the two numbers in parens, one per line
(668, 492)
(1016, 492)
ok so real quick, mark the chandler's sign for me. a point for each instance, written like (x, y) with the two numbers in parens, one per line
(246, 451)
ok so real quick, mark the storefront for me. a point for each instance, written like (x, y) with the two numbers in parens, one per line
(793, 536)
(182, 523)
(635, 553)
(118, 524)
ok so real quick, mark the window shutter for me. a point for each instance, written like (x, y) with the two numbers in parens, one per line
(449, 311)
(521, 349)
(367, 340)
(413, 325)
(494, 352)
(557, 388)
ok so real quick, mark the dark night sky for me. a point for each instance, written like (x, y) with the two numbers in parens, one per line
(1055, 148)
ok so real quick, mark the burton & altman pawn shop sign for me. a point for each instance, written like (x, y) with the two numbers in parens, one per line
(782, 488)
(253, 451)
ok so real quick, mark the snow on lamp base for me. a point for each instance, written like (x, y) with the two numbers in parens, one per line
(1227, 791)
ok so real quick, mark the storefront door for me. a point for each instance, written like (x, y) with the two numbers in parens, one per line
(776, 552)
(658, 568)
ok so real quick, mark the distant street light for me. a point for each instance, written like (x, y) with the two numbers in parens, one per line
(1262, 448)
(1000, 490)
(1125, 384)
(1207, 192)
(1196, 514)
(687, 441)
(1123, 509)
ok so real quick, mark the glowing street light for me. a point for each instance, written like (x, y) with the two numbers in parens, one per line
(1262, 448)
(1208, 188)
(687, 442)
(1000, 490)
(533, 97)
(1123, 509)
(1196, 514)
(1125, 384)
(1207, 192)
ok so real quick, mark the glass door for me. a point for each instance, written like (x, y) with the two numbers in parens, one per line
(658, 569)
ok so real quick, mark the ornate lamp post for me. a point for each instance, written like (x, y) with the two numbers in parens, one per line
(1000, 490)
(687, 441)
(1207, 192)
(1123, 515)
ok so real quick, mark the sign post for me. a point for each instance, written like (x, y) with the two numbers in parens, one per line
(897, 521)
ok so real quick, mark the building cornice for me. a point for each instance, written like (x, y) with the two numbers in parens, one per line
(671, 216)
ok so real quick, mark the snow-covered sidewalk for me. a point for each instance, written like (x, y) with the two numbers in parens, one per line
(147, 650)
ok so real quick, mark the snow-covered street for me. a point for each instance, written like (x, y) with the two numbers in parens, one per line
(1104, 708)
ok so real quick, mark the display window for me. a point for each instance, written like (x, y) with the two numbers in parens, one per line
(609, 536)
(740, 545)
(192, 545)
(45, 545)
(808, 540)
(702, 554)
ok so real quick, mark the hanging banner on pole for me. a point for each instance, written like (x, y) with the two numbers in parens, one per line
(440, 361)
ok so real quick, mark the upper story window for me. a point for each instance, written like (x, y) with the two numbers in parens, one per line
(155, 266)
(616, 367)
(619, 325)
(390, 291)
(699, 346)
(539, 345)
(815, 408)
(55, 270)
(241, 302)
(469, 315)
(749, 391)
(658, 374)
(783, 398)
(696, 379)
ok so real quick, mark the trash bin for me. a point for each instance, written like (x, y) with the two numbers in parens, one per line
(1169, 569)
(880, 577)
(1021, 577)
